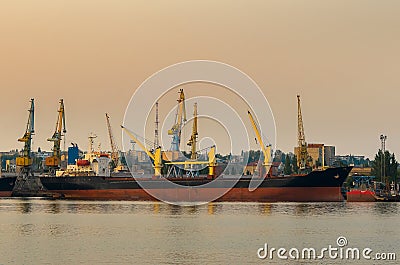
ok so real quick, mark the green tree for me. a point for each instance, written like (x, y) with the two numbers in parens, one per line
(295, 167)
(288, 166)
(390, 165)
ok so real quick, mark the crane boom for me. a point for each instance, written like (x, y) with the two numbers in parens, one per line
(25, 160)
(302, 145)
(265, 149)
(54, 160)
(114, 148)
(156, 157)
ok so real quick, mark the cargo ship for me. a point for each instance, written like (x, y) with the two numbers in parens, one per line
(90, 177)
(316, 186)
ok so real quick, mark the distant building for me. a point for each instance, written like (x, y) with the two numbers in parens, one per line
(250, 168)
(361, 171)
(10, 166)
(277, 168)
(319, 154)
(348, 160)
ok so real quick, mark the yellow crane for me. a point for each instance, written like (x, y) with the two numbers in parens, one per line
(180, 119)
(53, 162)
(25, 159)
(302, 145)
(193, 138)
(212, 163)
(26, 183)
(155, 157)
(265, 149)
(114, 148)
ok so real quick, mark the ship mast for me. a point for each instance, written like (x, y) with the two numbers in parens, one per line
(302, 145)
(91, 142)
(156, 138)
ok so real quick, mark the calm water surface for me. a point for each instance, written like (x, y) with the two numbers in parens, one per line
(35, 231)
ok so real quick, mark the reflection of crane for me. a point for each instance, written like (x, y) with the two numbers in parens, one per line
(302, 145)
(193, 139)
(25, 160)
(265, 149)
(114, 148)
(180, 119)
(54, 161)
(155, 157)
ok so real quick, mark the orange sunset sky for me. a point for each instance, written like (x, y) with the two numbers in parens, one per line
(342, 56)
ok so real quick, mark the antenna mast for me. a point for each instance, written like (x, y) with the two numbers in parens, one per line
(156, 141)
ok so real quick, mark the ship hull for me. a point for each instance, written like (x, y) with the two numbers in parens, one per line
(370, 196)
(317, 186)
(288, 194)
(6, 186)
(361, 196)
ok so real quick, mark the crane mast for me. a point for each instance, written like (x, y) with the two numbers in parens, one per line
(265, 149)
(180, 119)
(302, 145)
(193, 139)
(114, 148)
(54, 161)
(25, 160)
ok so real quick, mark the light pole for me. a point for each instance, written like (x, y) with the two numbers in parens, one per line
(383, 158)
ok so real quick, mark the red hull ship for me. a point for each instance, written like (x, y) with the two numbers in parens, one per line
(317, 186)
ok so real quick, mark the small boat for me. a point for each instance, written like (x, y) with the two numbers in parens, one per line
(365, 189)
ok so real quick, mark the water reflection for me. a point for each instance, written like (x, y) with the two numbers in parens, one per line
(210, 208)
(54, 208)
(28, 206)
(156, 208)
(113, 232)
(386, 208)
(26, 229)
(265, 209)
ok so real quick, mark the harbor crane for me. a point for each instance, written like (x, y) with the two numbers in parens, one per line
(25, 159)
(180, 120)
(154, 156)
(193, 138)
(302, 144)
(114, 148)
(27, 184)
(266, 149)
(54, 161)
